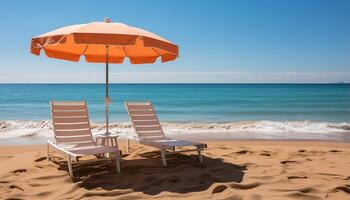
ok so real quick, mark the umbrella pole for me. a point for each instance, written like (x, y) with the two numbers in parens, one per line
(107, 100)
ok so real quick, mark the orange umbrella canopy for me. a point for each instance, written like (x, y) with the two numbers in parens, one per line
(91, 40)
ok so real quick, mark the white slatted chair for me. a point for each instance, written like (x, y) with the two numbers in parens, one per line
(73, 136)
(150, 132)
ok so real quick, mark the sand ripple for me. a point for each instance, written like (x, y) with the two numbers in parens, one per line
(232, 170)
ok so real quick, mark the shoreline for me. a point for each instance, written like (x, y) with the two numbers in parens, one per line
(39, 141)
(23, 131)
(291, 141)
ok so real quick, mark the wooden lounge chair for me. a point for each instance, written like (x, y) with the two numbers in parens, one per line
(150, 132)
(73, 136)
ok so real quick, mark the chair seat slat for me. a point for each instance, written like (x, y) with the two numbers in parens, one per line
(70, 119)
(146, 123)
(72, 132)
(68, 107)
(70, 114)
(139, 107)
(150, 128)
(148, 118)
(141, 112)
(71, 126)
(73, 139)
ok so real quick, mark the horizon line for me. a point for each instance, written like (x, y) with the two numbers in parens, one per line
(184, 83)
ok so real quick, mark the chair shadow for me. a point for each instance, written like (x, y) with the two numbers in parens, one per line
(183, 174)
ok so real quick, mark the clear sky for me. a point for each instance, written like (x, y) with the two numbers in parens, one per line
(220, 41)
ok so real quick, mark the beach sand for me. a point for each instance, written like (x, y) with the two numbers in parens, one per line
(231, 170)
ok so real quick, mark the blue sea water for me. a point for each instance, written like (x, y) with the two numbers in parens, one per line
(186, 102)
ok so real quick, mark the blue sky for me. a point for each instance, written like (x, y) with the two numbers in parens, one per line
(220, 41)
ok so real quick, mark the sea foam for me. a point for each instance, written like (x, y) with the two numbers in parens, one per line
(272, 129)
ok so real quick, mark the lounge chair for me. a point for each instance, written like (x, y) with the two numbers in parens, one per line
(150, 132)
(73, 136)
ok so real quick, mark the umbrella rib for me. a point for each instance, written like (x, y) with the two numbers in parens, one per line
(87, 45)
(155, 51)
(48, 42)
(125, 51)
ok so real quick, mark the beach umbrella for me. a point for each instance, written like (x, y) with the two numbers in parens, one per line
(104, 42)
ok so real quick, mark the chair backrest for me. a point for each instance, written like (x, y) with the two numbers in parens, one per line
(71, 122)
(144, 120)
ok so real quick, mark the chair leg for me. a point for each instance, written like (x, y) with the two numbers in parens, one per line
(127, 145)
(121, 156)
(162, 153)
(117, 161)
(70, 168)
(200, 155)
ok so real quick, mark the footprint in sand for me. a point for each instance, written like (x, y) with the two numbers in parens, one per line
(330, 174)
(300, 190)
(37, 184)
(15, 187)
(288, 162)
(335, 151)
(344, 188)
(243, 152)
(19, 171)
(4, 182)
(245, 186)
(340, 192)
(219, 189)
(40, 159)
(296, 177)
(307, 189)
(265, 154)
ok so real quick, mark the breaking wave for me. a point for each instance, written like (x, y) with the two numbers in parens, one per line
(11, 129)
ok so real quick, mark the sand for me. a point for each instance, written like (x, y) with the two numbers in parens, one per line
(232, 170)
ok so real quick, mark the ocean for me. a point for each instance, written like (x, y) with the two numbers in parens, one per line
(268, 111)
